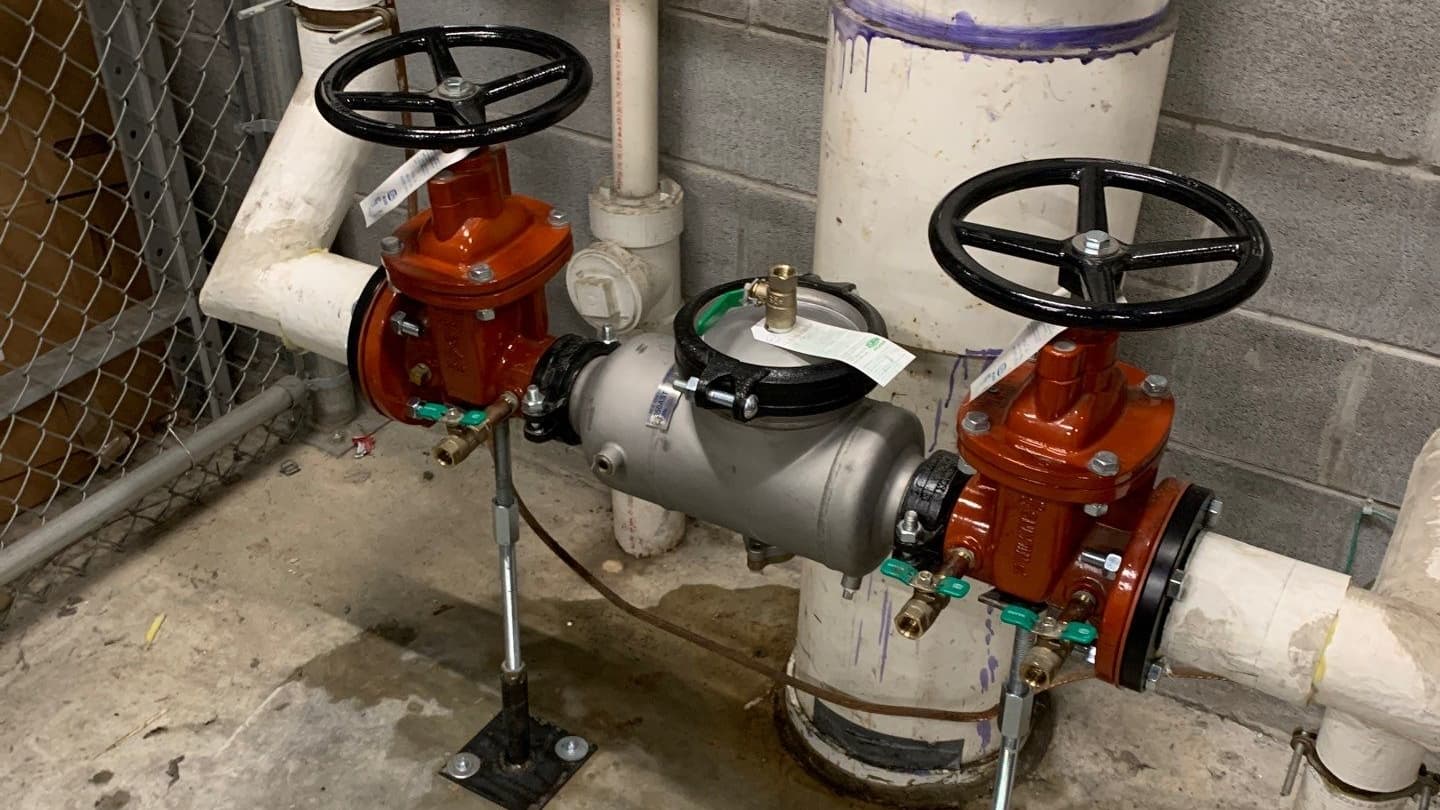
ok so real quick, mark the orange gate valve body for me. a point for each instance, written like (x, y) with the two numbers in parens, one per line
(1066, 450)
(463, 318)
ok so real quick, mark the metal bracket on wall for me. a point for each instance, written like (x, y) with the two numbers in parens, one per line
(133, 70)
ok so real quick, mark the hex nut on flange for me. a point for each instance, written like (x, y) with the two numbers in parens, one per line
(907, 530)
(1154, 673)
(976, 423)
(534, 402)
(401, 324)
(1213, 511)
(1105, 463)
(1155, 386)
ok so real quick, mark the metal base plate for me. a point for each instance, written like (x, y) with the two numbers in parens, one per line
(527, 787)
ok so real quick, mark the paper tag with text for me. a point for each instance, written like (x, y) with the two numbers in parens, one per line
(406, 180)
(876, 357)
(1030, 340)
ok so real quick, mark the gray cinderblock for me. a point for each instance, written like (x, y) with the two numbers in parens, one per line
(1357, 248)
(1251, 389)
(1359, 75)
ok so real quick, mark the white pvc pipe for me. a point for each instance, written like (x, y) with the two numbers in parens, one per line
(1357, 752)
(642, 529)
(634, 95)
(1301, 633)
(273, 272)
(1295, 631)
(1257, 617)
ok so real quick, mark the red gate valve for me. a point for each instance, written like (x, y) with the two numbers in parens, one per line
(1063, 514)
(457, 318)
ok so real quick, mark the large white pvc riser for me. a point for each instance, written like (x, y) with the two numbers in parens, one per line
(889, 155)
(889, 152)
(855, 648)
(273, 272)
(1029, 13)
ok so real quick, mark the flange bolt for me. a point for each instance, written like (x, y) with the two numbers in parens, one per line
(1096, 509)
(534, 402)
(1213, 511)
(401, 324)
(480, 273)
(907, 531)
(1154, 673)
(1105, 463)
(1155, 386)
(976, 423)
(391, 245)
(558, 218)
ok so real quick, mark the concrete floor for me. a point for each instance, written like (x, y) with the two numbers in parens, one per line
(331, 636)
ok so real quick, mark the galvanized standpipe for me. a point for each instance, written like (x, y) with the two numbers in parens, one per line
(1014, 718)
(514, 682)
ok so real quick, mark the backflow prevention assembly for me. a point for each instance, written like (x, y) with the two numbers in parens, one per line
(1052, 497)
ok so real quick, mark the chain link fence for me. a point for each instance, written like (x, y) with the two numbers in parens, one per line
(124, 154)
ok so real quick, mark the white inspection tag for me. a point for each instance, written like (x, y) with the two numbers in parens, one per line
(876, 357)
(406, 180)
(1030, 340)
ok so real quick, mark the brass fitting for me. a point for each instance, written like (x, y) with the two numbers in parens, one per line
(1049, 653)
(460, 443)
(922, 608)
(1043, 662)
(463, 440)
(919, 613)
(779, 291)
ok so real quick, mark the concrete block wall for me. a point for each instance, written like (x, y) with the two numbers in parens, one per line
(1321, 115)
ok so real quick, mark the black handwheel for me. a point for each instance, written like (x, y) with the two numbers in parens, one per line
(1092, 262)
(459, 106)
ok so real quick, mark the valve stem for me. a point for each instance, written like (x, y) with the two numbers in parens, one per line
(1050, 651)
(921, 609)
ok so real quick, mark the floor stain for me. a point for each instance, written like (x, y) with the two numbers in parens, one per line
(113, 800)
(595, 671)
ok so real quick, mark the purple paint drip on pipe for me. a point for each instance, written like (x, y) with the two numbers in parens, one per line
(884, 634)
(870, 18)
